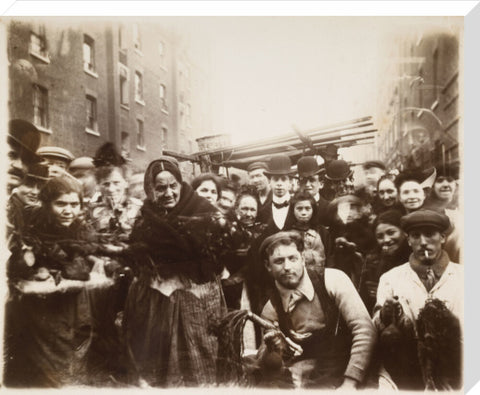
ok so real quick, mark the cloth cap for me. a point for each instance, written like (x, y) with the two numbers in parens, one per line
(307, 166)
(337, 170)
(374, 163)
(25, 138)
(82, 163)
(279, 165)
(56, 152)
(257, 165)
(425, 218)
(291, 235)
(38, 171)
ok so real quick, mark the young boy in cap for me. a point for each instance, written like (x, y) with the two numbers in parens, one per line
(257, 178)
(56, 158)
(319, 310)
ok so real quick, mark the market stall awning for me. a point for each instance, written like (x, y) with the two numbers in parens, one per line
(307, 142)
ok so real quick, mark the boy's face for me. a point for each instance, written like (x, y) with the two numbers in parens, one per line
(280, 185)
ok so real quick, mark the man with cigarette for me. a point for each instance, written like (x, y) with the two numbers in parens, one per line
(428, 274)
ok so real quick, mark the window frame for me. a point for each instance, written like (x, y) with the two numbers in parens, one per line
(91, 106)
(40, 96)
(140, 135)
(89, 67)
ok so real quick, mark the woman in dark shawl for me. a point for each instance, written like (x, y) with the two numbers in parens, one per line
(176, 296)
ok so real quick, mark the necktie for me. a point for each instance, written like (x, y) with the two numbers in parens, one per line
(295, 296)
(281, 205)
(430, 279)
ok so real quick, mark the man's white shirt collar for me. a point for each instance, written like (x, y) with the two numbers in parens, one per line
(305, 288)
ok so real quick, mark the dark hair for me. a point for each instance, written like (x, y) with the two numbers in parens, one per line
(286, 241)
(58, 186)
(390, 177)
(197, 181)
(302, 196)
(247, 190)
(103, 172)
(228, 186)
(391, 217)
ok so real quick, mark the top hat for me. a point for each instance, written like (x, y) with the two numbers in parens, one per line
(56, 152)
(338, 170)
(279, 165)
(307, 166)
(24, 137)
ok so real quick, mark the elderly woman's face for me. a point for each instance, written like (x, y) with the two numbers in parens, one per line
(113, 187)
(166, 190)
(66, 208)
(208, 190)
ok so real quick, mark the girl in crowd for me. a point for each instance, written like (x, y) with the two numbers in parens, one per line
(176, 295)
(304, 209)
(391, 250)
(207, 185)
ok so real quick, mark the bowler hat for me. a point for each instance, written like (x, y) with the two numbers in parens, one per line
(307, 166)
(337, 170)
(448, 170)
(24, 137)
(257, 165)
(279, 165)
(56, 152)
(425, 218)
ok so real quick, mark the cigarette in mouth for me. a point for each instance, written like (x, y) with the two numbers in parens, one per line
(426, 254)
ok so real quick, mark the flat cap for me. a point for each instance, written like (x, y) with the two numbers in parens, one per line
(257, 165)
(82, 163)
(425, 218)
(56, 152)
(291, 235)
(374, 163)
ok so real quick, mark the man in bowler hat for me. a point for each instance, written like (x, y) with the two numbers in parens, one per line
(338, 180)
(280, 176)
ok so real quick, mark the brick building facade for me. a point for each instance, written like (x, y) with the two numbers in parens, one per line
(131, 81)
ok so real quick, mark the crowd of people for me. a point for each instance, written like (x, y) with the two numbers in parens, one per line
(293, 279)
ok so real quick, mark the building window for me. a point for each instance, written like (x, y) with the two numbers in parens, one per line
(163, 97)
(38, 44)
(137, 41)
(123, 75)
(91, 113)
(40, 106)
(88, 54)
(140, 134)
(125, 148)
(138, 87)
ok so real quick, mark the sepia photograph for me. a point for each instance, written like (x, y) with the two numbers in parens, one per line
(251, 202)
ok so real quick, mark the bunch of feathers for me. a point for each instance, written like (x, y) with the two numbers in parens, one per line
(429, 359)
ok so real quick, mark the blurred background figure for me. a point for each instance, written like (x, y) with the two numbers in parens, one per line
(228, 194)
(83, 170)
(387, 194)
(31, 185)
(135, 186)
(207, 185)
(23, 140)
(56, 158)
(373, 171)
